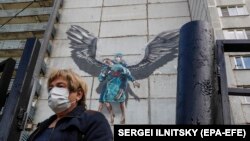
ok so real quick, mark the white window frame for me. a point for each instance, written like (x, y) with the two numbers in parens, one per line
(242, 61)
(236, 8)
(248, 102)
(235, 62)
(248, 35)
(235, 33)
(246, 99)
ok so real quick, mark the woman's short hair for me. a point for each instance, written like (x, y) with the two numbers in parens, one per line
(75, 82)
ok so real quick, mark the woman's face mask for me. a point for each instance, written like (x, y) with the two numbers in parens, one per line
(58, 99)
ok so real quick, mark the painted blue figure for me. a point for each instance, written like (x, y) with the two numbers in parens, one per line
(119, 60)
(117, 75)
(105, 71)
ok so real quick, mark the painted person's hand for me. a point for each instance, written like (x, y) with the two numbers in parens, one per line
(136, 84)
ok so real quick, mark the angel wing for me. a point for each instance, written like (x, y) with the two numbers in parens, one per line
(83, 44)
(162, 49)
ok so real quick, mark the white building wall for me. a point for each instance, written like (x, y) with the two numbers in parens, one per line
(122, 26)
(239, 105)
(127, 26)
(236, 78)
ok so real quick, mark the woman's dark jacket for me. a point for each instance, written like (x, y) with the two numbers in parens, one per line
(78, 125)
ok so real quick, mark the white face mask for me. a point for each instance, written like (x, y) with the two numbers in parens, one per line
(58, 99)
(118, 59)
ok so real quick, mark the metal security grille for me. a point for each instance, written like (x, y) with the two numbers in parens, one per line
(6, 70)
(231, 46)
(14, 113)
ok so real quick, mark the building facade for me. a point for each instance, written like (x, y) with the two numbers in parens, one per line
(230, 21)
(127, 26)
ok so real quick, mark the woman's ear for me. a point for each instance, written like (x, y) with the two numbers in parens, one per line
(79, 94)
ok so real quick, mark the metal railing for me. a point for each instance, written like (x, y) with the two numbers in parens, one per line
(18, 105)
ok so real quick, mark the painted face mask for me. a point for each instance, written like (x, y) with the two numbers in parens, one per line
(118, 59)
(58, 99)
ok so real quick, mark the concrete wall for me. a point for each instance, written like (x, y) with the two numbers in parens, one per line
(199, 10)
(235, 22)
(127, 26)
(122, 26)
(235, 78)
(231, 2)
(229, 22)
(208, 11)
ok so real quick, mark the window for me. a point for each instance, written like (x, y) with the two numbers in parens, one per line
(237, 34)
(241, 10)
(242, 62)
(232, 11)
(224, 12)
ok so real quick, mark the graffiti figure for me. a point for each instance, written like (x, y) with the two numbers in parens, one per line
(162, 49)
(117, 76)
(106, 70)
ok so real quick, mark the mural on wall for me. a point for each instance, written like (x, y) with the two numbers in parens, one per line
(160, 50)
(115, 73)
